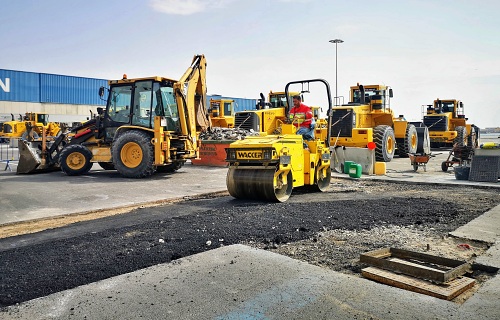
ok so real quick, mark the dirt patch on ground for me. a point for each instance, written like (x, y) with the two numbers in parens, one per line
(327, 229)
(38, 225)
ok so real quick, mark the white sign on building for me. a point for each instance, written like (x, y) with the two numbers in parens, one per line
(5, 85)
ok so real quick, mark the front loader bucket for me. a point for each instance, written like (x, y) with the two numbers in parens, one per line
(30, 161)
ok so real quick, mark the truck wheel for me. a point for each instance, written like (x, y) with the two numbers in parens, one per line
(133, 154)
(410, 142)
(461, 139)
(75, 160)
(384, 139)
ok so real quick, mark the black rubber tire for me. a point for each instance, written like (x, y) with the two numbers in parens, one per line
(75, 160)
(444, 166)
(461, 139)
(34, 136)
(133, 154)
(170, 168)
(323, 184)
(385, 141)
(410, 142)
(473, 137)
(107, 165)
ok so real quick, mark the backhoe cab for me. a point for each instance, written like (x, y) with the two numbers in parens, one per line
(149, 124)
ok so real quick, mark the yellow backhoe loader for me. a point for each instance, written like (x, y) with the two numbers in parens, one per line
(149, 124)
(269, 166)
(368, 118)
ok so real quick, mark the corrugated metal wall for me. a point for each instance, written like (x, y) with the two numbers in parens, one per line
(23, 86)
(241, 103)
(19, 86)
(70, 90)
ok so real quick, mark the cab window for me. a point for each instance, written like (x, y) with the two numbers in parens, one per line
(170, 109)
(119, 103)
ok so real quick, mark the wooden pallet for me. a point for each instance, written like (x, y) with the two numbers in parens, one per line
(415, 264)
(446, 291)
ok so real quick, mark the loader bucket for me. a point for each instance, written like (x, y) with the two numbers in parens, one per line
(30, 161)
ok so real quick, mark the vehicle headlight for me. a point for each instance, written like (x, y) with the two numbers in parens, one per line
(230, 154)
(267, 154)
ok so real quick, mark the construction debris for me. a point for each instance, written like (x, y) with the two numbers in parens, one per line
(219, 133)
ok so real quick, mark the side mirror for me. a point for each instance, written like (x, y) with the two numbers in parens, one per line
(100, 110)
(101, 92)
(390, 93)
(262, 101)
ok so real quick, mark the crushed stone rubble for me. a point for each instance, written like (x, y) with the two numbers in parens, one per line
(219, 133)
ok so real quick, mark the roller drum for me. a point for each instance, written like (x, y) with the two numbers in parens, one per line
(258, 184)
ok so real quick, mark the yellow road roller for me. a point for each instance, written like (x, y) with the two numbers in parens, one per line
(268, 167)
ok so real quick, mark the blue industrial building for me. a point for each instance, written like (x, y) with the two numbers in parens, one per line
(21, 86)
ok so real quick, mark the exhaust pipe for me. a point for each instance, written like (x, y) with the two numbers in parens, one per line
(362, 94)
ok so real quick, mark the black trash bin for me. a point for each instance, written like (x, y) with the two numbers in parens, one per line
(462, 172)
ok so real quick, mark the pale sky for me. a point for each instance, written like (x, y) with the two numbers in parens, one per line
(425, 49)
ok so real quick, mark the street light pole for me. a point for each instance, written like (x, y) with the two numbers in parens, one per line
(336, 41)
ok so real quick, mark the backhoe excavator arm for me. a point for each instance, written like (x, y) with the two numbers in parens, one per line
(191, 91)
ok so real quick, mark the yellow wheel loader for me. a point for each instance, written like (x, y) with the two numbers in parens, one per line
(448, 125)
(222, 113)
(367, 118)
(269, 166)
(149, 124)
(30, 127)
(268, 116)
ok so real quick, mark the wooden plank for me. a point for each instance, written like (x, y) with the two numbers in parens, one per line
(379, 258)
(446, 291)
(410, 263)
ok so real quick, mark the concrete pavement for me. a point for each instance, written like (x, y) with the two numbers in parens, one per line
(239, 282)
(47, 195)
